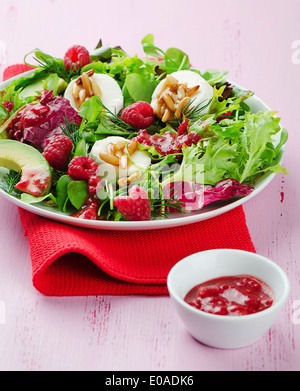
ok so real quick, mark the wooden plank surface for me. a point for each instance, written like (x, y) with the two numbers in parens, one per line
(256, 42)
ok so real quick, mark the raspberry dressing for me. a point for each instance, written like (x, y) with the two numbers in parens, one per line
(231, 296)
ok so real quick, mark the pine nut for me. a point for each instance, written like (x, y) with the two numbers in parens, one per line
(119, 153)
(166, 116)
(156, 109)
(121, 144)
(181, 106)
(163, 108)
(171, 81)
(134, 176)
(108, 158)
(169, 102)
(87, 85)
(79, 81)
(96, 89)
(192, 91)
(75, 91)
(123, 182)
(91, 72)
(181, 92)
(162, 88)
(82, 96)
(110, 149)
(132, 147)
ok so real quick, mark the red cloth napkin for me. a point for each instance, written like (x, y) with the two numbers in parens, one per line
(71, 261)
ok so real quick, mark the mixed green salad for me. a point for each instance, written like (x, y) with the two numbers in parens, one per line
(109, 136)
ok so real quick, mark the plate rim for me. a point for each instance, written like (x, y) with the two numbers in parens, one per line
(187, 219)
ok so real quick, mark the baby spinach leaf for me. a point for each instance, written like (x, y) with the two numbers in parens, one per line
(150, 49)
(139, 87)
(91, 109)
(81, 149)
(176, 60)
(30, 199)
(102, 53)
(78, 193)
(62, 191)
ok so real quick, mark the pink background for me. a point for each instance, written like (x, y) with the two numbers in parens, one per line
(253, 40)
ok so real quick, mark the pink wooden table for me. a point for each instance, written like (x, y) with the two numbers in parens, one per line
(258, 42)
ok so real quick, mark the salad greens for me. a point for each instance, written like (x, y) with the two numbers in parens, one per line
(233, 142)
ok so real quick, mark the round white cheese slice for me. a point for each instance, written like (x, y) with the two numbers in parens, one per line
(139, 160)
(111, 93)
(193, 79)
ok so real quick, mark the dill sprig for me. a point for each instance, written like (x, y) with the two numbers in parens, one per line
(9, 182)
(57, 66)
(194, 112)
(117, 120)
(72, 130)
(158, 207)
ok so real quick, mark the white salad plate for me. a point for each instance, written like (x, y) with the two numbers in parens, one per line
(174, 220)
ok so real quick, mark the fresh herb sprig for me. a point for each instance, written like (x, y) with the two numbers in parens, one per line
(52, 65)
(57, 66)
(194, 112)
(9, 182)
(72, 130)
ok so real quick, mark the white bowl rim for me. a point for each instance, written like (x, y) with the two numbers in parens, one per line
(276, 306)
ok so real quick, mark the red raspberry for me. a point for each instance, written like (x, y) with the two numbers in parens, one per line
(135, 206)
(139, 115)
(88, 211)
(77, 57)
(82, 168)
(94, 184)
(183, 128)
(58, 151)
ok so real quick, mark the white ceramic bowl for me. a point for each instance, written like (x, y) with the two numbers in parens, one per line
(226, 332)
(176, 220)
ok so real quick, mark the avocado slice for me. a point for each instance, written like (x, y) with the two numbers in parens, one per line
(51, 82)
(35, 170)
